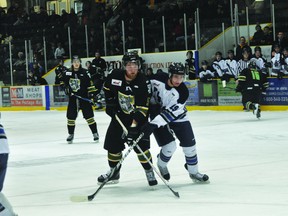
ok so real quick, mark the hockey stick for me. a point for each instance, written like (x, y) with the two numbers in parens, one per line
(84, 198)
(85, 99)
(137, 146)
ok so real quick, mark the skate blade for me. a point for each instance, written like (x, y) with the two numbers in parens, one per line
(200, 182)
(109, 182)
(69, 142)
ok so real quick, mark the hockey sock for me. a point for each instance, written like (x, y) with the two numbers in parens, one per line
(191, 159)
(71, 126)
(143, 160)
(92, 124)
(113, 159)
(166, 153)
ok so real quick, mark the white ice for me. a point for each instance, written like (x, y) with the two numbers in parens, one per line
(246, 160)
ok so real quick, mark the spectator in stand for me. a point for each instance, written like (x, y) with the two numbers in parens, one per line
(281, 41)
(258, 36)
(59, 52)
(205, 73)
(267, 37)
(242, 45)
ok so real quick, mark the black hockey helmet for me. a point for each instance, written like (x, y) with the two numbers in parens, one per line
(76, 57)
(252, 64)
(176, 68)
(131, 57)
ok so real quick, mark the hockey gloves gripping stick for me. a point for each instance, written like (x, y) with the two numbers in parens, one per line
(135, 144)
(84, 198)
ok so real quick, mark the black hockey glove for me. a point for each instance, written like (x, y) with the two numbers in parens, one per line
(238, 89)
(92, 96)
(148, 129)
(65, 88)
(132, 135)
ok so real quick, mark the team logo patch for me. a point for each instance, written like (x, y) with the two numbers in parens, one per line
(116, 82)
(74, 84)
(68, 73)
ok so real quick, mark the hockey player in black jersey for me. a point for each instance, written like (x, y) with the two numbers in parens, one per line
(78, 85)
(190, 65)
(127, 95)
(252, 83)
(59, 70)
(168, 118)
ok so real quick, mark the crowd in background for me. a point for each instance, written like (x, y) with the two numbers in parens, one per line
(17, 25)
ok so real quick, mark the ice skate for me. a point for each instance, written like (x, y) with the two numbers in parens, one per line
(96, 137)
(113, 180)
(163, 171)
(256, 110)
(70, 138)
(151, 177)
(198, 177)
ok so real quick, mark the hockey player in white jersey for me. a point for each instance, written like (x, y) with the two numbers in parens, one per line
(221, 68)
(285, 62)
(276, 62)
(5, 207)
(168, 118)
(231, 64)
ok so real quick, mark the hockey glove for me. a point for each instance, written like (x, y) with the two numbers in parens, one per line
(148, 129)
(132, 135)
(238, 89)
(65, 89)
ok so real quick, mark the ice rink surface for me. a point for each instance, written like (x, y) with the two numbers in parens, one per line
(245, 158)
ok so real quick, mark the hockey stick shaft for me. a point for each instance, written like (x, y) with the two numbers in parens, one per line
(153, 167)
(85, 99)
(115, 169)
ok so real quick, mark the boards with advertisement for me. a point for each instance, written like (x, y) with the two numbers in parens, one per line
(208, 95)
(26, 96)
(5, 93)
(58, 97)
(193, 98)
(277, 93)
(227, 96)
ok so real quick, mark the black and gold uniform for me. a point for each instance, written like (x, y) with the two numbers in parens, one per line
(252, 83)
(127, 94)
(79, 87)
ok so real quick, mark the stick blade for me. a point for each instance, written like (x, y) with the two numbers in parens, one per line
(79, 198)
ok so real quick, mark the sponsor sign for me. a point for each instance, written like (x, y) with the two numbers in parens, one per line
(6, 102)
(227, 96)
(208, 93)
(26, 96)
(277, 93)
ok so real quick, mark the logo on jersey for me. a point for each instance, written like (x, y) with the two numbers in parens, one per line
(68, 73)
(116, 82)
(126, 102)
(74, 84)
